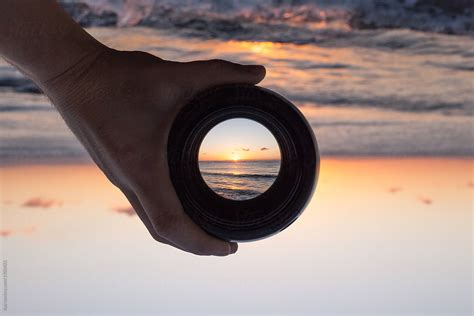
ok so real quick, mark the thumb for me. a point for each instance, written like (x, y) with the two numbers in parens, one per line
(208, 73)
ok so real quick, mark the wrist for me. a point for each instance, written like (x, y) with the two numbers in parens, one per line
(40, 38)
(74, 51)
(72, 86)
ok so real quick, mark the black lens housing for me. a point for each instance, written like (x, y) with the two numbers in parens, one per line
(283, 202)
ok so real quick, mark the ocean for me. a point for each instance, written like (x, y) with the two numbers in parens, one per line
(382, 78)
(240, 180)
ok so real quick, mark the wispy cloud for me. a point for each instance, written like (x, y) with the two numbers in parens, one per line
(6, 232)
(425, 200)
(127, 210)
(245, 149)
(25, 231)
(470, 184)
(394, 189)
(41, 202)
(264, 148)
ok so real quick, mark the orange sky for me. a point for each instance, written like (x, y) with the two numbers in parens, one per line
(237, 140)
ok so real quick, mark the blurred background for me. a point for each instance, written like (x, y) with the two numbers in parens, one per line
(387, 87)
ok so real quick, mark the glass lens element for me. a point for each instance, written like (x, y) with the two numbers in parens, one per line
(239, 159)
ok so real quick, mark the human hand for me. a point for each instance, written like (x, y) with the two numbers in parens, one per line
(121, 106)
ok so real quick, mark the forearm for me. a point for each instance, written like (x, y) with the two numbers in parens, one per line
(39, 38)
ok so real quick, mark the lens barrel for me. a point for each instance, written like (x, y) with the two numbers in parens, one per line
(276, 208)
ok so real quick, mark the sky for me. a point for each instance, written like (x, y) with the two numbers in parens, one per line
(381, 236)
(237, 140)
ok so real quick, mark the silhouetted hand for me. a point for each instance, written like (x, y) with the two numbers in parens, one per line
(121, 106)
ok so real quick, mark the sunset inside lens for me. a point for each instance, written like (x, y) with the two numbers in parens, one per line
(239, 159)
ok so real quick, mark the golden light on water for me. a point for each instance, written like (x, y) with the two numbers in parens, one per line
(265, 48)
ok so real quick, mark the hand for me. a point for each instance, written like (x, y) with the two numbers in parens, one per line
(121, 106)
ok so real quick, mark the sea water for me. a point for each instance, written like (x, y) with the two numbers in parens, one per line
(239, 180)
(368, 81)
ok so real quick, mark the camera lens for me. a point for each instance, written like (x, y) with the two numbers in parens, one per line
(243, 160)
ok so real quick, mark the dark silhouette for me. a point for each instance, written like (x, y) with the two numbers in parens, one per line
(120, 105)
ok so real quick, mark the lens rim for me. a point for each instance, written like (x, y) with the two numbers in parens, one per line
(273, 210)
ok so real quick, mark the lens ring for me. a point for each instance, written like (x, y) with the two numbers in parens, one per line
(283, 202)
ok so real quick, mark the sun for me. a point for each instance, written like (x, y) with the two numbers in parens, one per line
(235, 158)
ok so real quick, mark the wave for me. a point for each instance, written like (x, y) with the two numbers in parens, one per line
(422, 103)
(298, 21)
(396, 103)
(449, 17)
(24, 108)
(457, 67)
(239, 175)
(236, 194)
(342, 99)
(18, 84)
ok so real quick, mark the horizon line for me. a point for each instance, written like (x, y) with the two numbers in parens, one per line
(240, 160)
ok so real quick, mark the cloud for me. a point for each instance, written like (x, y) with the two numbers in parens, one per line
(425, 200)
(127, 210)
(6, 232)
(264, 148)
(245, 149)
(41, 202)
(394, 189)
(10, 232)
(470, 184)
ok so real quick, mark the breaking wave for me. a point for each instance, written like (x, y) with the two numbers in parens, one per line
(239, 175)
(296, 21)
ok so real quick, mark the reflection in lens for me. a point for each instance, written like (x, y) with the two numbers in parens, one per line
(239, 159)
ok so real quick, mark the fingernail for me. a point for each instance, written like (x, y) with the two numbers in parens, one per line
(233, 247)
